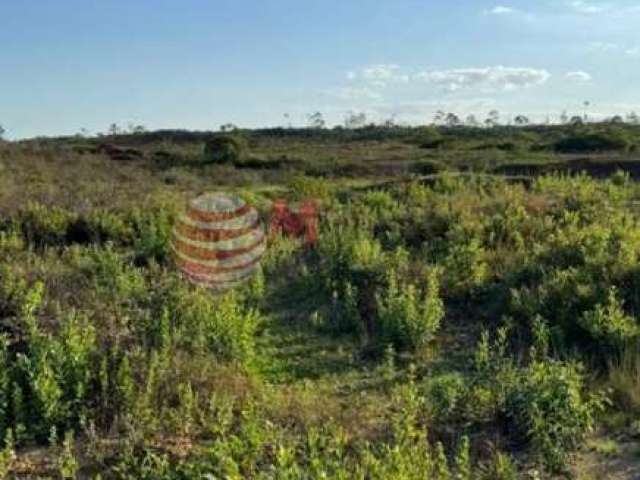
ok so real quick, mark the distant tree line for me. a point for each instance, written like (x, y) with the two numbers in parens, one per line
(355, 120)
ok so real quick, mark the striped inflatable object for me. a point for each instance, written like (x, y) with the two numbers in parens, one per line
(219, 242)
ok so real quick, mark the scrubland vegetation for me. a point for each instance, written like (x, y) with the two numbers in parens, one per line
(470, 311)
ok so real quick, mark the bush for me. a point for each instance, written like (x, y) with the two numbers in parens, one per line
(99, 226)
(428, 167)
(550, 408)
(11, 243)
(221, 325)
(446, 392)
(501, 467)
(55, 371)
(608, 324)
(45, 225)
(465, 267)
(110, 274)
(624, 379)
(428, 138)
(586, 141)
(303, 187)
(407, 318)
(349, 255)
(224, 149)
(13, 288)
(152, 234)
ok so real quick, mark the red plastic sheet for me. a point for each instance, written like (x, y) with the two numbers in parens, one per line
(301, 222)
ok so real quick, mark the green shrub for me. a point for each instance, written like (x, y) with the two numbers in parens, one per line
(11, 243)
(549, 406)
(624, 379)
(152, 233)
(608, 324)
(547, 400)
(67, 462)
(7, 455)
(112, 275)
(224, 149)
(445, 393)
(45, 225)
(428, 138)
(407, 318)
(6, 371)
(495, 373)
(465, 267)
(501, 467)
(428, 167)
(462, 460)
(54, 372)
(101, 226)
(594, 141)
(380, 202)
(349, 255)
(581, 310)
(13, 288)
(303, 187)
(221, 324)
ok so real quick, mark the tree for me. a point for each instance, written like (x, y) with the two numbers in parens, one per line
(114, 129)
(521, 120)
(439, 117)
(586, 105)
(228, 127)
(471, 121)
(2, 132)
(390, 122)
(316, 120)
(493, 119)
(136, 129)
(355, 120)
(617, 119)
(564, 118)
(452, 120)
(576, 120)
(633, 118)
(224, 149)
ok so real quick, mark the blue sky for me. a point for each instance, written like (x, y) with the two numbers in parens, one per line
(72, 64)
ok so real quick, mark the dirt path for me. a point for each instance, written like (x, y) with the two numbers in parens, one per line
(606, 459)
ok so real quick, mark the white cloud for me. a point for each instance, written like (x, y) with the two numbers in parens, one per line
(603, 46)
(633, 51)
(579, 76)
(379, 72)
(611, 9)
(379, 75)
(499, 10)
(589, 8)
(353, 93)
(507, 78)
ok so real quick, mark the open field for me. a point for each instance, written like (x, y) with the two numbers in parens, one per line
(470, 312)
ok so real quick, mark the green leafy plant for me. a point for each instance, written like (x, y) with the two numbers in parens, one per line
(407, 318)
(224, 149)
(552, 410)
(44, 225)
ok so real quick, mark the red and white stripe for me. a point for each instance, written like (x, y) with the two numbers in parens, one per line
(219, 242)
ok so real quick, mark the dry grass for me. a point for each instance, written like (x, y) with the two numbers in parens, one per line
(624, 379)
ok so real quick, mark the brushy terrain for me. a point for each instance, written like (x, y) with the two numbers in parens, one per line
(470, 311)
